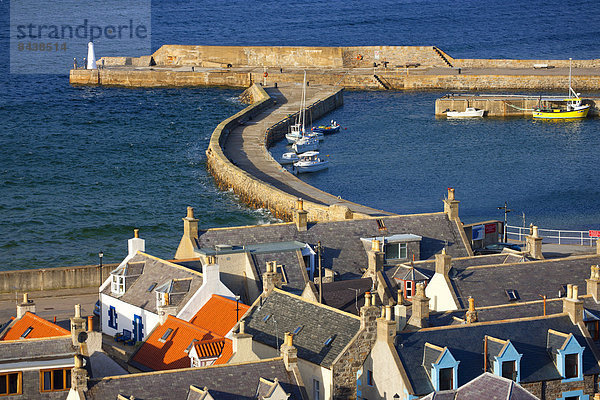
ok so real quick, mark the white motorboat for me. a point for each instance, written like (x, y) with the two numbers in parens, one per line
(310, 162)
(288, 158)
(470, 112)
(307, 143)
(294, 135)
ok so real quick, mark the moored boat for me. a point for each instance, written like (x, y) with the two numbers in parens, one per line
(288, 158)
(307, 143)
(333, 127)
(310, 162)
(470, 112)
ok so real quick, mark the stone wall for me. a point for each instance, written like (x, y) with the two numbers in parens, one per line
(252, 190)
(554, 389)
(54, 278)
(347, 364)
(507, 63)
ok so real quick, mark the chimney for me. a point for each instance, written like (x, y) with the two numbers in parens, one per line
(443, 263)
(420, 308)
(572, 305)
(400, 312)
(78, 325)
(471, 315)
(242, 346)
(386, 327)
(289, 352)
(375, 259)
(593, 284)
(90, 323)
(26, 305)
(533, 244)
(271, 278)
(210, 273)
(300, 216)
(368, 313)
(451, 205)
(598, 246)
(79, 375)
(189, 241)
(135, 244)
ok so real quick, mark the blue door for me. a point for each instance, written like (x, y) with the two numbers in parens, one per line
(138, 328)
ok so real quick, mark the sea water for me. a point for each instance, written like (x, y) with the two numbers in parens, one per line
(81, 167)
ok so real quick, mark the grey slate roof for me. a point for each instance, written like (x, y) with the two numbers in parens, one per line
(465, 342)
(36, 349)
(291, 266)
(224, 382)
(486, 386)
(343, 250)
(348, 295)
(287, 312)
(159, 272)
(529, 279)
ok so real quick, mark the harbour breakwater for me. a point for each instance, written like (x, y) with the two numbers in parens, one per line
(366, 67)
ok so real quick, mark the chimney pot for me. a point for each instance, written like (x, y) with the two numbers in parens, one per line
(289, 339)
(77, 310)
(90, 323)
(242, 326)
(190, 212)
(569, 291)
(575, 292)
(25, 298)
(471, 304)
(376, 245)
(136, 233)
(388, 313)
(300, 204)
(450, 194)
(78, 361)
(535, 232)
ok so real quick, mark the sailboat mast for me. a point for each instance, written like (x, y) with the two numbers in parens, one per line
(303, 102)
(570, 88)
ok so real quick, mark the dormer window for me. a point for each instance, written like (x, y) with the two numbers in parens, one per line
(503, 359)
(567, 354)
(396, 251)
(118, 285)
(441, 367)
(509, 370)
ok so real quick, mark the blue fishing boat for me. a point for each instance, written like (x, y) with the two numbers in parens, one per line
(333, 127)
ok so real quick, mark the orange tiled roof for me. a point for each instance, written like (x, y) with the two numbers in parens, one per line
(41, 328)
(218, 315)
(171, 353)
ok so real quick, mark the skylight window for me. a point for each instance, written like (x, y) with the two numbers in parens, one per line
(151, 288)
(27, 332)
(329, 340)
(298, 329)
(512, 294)
(380, 224)
(166, 335)
(266, 318)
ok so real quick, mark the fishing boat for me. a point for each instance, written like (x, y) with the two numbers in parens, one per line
(306, 143)
(310, 162)
(570, 107)
(470, 112)
(288, 158)
(333, 127)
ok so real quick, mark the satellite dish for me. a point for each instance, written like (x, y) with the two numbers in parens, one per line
(82, 337)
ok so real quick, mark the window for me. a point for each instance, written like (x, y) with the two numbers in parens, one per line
(408, 289)
(11, 383)
(446, 378)
(509, 370)
(369, 377)
(395, 251)
(571, 366)
(316, 389)
(329, 340)
(511, 294)
(118, 284)
(381, 224)
(151, 287)
(54, 380)
(298, 329)
(166, 335)
(27, 332)
(112, 317)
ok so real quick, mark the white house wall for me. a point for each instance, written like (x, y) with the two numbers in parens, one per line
(387, 379)
(125, 313)
(440, 294)
(211, 284)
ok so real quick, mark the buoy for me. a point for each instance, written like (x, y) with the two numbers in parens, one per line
(91, 57)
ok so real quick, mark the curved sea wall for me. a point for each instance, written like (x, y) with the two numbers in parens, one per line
(253, 191)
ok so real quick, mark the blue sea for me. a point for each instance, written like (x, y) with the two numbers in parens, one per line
(81, 167)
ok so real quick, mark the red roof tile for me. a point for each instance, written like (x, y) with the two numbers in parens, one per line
(40, 328)
(170, 353)
(219, 315)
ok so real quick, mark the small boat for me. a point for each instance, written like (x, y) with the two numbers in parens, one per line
(310, 162)
(295, 133)
(305, 144)
(293, 137)
(470, 112)
(572, 108)
(288, 158)
(333, 127)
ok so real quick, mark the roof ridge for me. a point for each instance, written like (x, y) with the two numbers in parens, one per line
(181, 267)
(497, 322)
(33, 339)
(170, 371)
(190, 325)
(533, 262)
(316, 303)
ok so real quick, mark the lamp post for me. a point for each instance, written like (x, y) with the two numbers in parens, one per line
(237, 308)
(319, 251)
(506, 211)
(100, 255)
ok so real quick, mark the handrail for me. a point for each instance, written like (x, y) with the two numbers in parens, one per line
(558, 236)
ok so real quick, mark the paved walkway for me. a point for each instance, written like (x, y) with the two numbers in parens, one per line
(245, 147)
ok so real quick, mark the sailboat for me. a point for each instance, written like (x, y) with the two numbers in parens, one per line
(297, 130)
(573, 108)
